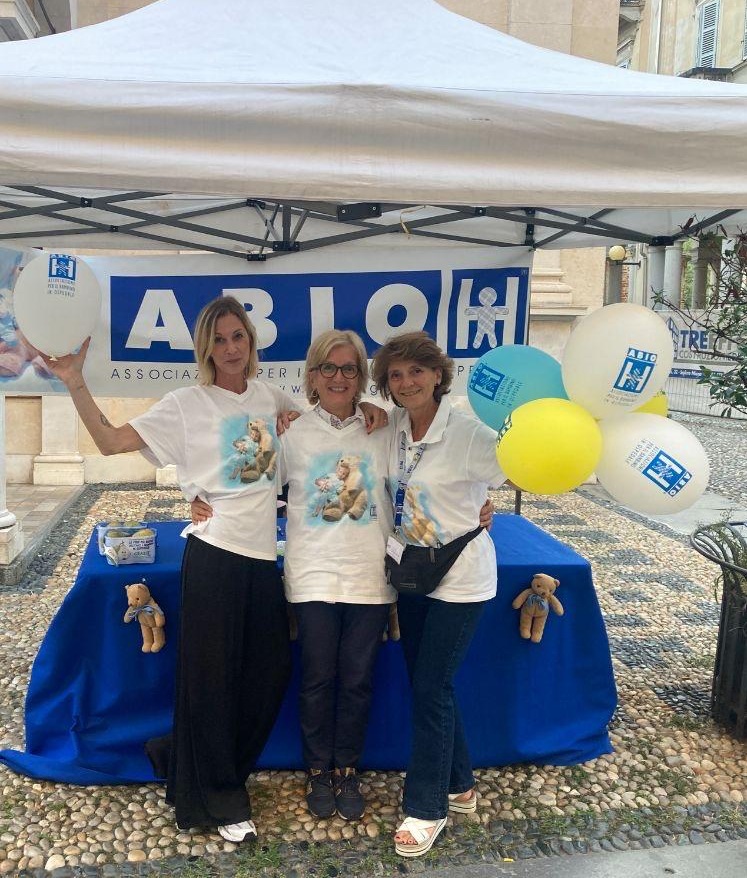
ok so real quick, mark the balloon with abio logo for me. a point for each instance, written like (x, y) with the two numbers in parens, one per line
(509, 376)
(616, 359)
(651, 464)
(57, 303)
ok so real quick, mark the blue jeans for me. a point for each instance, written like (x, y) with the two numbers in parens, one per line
(435, 638)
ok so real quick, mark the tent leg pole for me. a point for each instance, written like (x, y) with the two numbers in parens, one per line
(517, 502)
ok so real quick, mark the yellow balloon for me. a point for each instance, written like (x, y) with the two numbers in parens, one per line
(657, 405)
(549, 446)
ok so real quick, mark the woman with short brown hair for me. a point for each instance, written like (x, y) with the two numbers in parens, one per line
(441, 464)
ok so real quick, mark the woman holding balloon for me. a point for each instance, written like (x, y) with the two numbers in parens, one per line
(441, 463)
(234, 655)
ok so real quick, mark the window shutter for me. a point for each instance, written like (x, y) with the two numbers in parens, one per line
(707, 33)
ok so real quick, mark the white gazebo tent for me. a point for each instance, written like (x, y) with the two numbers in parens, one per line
(258, 130)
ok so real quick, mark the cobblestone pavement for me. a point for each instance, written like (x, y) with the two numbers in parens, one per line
(725, 440)
(674, 777)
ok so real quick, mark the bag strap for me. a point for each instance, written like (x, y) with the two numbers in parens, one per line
(466, 538)
(458, 544)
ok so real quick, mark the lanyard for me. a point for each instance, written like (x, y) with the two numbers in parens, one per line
(403, 477)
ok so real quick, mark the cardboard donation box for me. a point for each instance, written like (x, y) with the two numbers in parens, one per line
(127, 543)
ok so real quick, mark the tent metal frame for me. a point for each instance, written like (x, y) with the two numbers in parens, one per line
(283, 222)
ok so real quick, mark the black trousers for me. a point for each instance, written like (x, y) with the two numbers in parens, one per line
(339, 643)
(232, 673)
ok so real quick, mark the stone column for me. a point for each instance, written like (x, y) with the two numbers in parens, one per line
(166, 476)
(548, 284)
(700, 260)
(636, 277)
(11, 537)
(613, 285)
(60, 462)
(673, 273)
(706, 258)
(655, 273)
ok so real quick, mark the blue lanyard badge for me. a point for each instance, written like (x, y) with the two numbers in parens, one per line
(403, 477)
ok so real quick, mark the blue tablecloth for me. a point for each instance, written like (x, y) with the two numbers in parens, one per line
(94, 697)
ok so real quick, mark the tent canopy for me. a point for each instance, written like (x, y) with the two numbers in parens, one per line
(258, 128)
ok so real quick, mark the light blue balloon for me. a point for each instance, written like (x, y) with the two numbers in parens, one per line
(507, 377)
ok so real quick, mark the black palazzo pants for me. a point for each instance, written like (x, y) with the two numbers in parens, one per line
(232, 672)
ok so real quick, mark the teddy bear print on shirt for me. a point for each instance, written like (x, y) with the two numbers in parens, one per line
(417, 526)
(341, 493)
(265, 460)
(328, 487)
(245, 454)
(249, 450)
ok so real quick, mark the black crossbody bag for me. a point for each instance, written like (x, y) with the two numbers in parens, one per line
(421, 568)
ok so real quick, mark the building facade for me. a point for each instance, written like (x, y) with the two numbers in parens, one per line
(704, 39)
(699, 39)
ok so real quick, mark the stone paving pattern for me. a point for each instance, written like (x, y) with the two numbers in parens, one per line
(674, 777)
(33, 508)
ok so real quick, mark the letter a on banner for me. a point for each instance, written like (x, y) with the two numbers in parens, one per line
(159, 319)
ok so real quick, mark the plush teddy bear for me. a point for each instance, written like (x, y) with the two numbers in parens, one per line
(391, 632)
(535, 603)
(141, 606)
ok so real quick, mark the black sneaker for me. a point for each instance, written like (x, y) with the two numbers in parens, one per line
(320, 793)
(348, 799)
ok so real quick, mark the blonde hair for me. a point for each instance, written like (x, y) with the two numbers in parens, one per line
(412, 347)
(204, 337)
(322, 347)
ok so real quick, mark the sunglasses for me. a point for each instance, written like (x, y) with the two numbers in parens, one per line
(329, 370)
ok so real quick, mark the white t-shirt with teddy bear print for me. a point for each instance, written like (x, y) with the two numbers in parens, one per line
(445, 492)
(339, 513)
(225, 448)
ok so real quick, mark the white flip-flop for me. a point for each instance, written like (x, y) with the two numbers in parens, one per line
(463, 807)
(425, 832)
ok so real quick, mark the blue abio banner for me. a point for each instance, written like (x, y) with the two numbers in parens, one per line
(468, 300)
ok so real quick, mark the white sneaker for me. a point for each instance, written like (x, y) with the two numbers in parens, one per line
(238, 832)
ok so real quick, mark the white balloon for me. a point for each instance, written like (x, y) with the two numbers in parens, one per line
(651, 464)
(57, 302)
(617, 358)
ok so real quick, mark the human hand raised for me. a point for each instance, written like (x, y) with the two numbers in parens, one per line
(68, 368)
